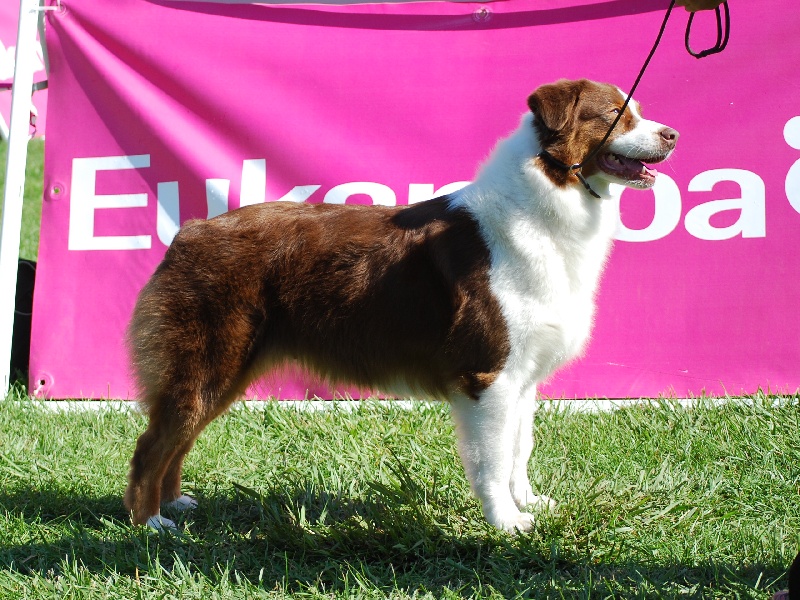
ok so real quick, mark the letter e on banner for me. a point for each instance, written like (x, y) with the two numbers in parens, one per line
(84, 201)
(752, 220)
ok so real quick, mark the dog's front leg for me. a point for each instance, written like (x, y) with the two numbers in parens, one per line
(487, 431)
(521, 489)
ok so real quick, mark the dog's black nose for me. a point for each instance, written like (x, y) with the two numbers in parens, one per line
(669, 134)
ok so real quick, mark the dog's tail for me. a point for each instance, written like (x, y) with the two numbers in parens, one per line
(147, 337)
(191, 340)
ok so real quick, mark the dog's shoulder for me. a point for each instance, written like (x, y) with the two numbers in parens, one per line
(449, 231)
(430, 214)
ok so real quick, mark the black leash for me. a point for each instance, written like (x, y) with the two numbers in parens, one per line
(722, 41)
(722, 34)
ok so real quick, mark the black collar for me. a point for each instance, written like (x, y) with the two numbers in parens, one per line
(571, 169)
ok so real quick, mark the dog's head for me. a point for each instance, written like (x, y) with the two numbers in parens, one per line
(571, 119)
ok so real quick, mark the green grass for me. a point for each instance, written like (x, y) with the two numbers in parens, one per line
(32, 202)
(658, 502)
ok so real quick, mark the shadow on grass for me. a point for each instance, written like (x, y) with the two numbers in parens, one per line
(297, 541)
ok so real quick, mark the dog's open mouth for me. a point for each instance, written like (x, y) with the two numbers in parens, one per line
(633, 171)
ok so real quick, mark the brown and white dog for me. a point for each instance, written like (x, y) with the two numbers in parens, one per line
(474, 298)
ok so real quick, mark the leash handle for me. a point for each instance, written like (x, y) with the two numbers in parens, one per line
(723, 33)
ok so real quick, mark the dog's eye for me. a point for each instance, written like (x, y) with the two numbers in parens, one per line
(614, 111)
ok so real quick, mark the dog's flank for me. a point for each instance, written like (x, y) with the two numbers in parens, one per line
(473, 298)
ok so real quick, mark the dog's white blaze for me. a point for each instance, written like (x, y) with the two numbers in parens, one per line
(642, 139)
(632, 105)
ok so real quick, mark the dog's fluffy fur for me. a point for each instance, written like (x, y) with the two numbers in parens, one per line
(473, 298)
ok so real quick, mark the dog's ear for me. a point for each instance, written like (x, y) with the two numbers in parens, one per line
(554, 103)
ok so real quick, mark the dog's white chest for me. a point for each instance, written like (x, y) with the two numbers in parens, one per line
(546, 288)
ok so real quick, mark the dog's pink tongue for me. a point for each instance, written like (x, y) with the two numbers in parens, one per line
(650, 171)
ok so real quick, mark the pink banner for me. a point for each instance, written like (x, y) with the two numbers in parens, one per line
(162, 111)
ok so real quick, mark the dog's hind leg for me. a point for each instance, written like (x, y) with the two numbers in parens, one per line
(170, 433)
(157, 463)
(171, 496)
(196, 393)
(193, 353)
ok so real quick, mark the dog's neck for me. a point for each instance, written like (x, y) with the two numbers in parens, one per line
(513, 165)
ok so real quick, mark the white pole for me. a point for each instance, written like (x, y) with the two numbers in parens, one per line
(24, 66)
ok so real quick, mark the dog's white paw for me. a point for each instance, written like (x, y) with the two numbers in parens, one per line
(524, 497)
(515, 523)
(522, 493)
(160, 523)
(181, 503)
(540, 503)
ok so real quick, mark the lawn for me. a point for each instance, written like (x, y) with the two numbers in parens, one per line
(32, 203)
(655, 502)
